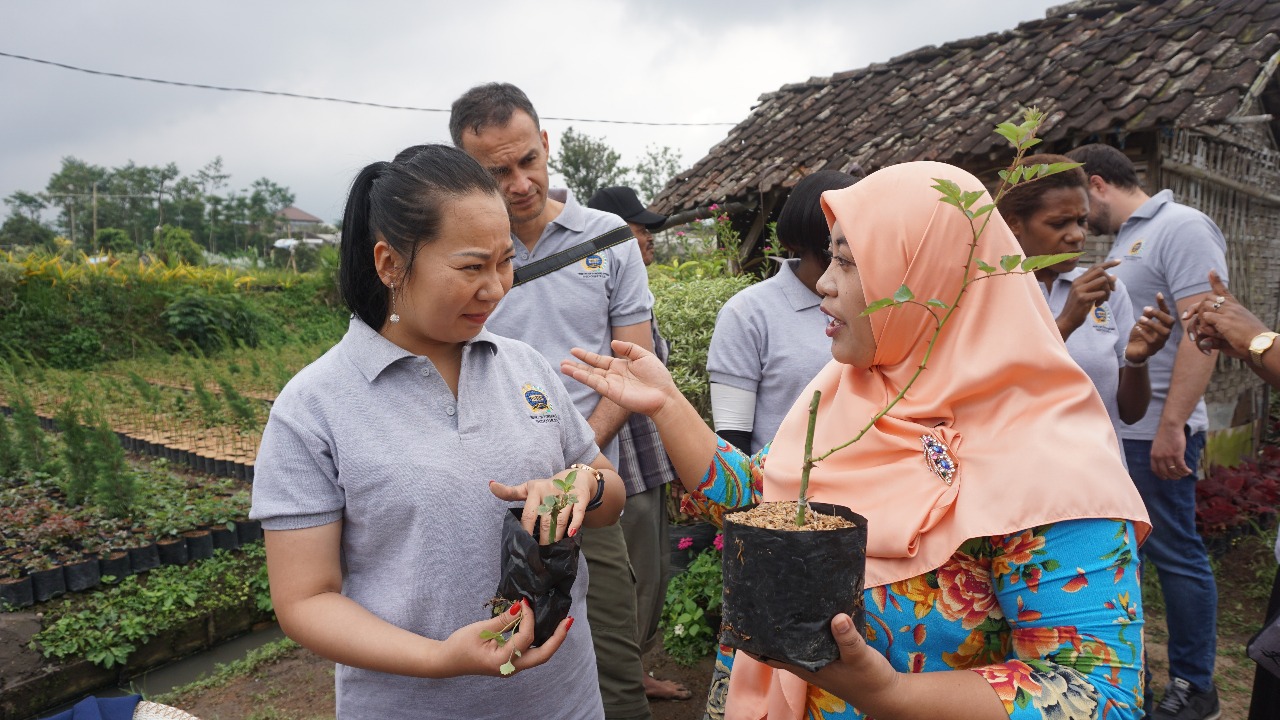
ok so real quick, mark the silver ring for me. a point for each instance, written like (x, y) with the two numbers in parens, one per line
(1217, 305)
(1219, 299)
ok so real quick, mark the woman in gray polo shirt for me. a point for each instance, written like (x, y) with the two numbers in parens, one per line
(386, 467)
(769, 341)
(1092, 308)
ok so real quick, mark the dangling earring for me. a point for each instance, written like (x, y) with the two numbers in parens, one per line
(395, 317)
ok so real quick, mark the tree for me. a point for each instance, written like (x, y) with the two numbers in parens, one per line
(655, 170)
(24, 203)
(22, 230)
(587, 164)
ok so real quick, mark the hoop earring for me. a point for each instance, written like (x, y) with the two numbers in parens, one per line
(395, 317)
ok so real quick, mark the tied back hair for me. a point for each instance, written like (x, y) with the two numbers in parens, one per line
(402, 203)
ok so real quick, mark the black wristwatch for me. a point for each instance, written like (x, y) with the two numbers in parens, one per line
(598, 499)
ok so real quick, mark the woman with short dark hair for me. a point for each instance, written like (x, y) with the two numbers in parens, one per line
(385, 469)
(768, 341)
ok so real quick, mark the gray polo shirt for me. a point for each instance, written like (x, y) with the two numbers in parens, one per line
(578, 305)
(770, 339)
(1170, 248)
(1098, 345)
(370, 434)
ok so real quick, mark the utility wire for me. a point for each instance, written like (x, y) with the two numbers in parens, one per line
(322, 98)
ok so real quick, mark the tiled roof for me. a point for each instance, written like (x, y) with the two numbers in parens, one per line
(1094, 66)
(293, 214)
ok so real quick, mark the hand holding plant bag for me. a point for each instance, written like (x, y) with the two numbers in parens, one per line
(540, 549)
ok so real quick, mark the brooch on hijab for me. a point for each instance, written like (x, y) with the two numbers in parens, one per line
(938, 457)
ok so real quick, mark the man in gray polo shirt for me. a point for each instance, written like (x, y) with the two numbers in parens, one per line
(1167, 247)
(604, 296)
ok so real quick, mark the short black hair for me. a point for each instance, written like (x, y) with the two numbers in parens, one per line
(487, 105)
(401, 202)
(1024, 199)
(1107, 163)
(802, 226)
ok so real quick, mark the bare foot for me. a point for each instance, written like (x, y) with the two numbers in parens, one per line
(656, 689)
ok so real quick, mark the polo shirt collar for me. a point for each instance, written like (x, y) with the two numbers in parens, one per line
(372, 354)
(1148, 209)
(571, 218)
(798, 296)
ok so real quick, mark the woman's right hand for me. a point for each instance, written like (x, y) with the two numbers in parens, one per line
(634, 379)
(470, 654)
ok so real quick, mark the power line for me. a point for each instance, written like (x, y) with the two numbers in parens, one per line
(321, 98)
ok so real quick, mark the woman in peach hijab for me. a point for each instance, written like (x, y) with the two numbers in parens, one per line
(1002, 584)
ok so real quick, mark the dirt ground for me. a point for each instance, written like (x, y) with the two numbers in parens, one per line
(300, 687)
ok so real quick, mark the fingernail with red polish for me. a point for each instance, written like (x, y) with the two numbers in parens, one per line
(569, 626)
(573, 531)
(515, 609)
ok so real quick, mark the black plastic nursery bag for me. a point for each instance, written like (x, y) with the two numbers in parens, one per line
(542, 574)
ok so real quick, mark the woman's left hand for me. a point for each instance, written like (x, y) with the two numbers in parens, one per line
(1150, 332)
(535, 491)
(861, 676)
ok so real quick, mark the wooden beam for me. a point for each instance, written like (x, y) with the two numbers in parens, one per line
(767, 203)
(703, 213)
(1210, 176)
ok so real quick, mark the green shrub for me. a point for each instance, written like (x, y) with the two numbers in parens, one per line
(76, 349)
(114, 241)
(686, 311)
(693, 600)
(107, 626)
(212, 322)
(174, 245)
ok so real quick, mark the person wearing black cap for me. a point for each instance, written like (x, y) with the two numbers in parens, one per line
(622, 201)
(645, 468)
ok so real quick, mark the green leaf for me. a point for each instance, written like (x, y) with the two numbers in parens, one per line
(1040, 262)
(1015, 177)
(877, 305)
(937, 303)
(1062, 166)
(507, 668)
(1009, 262)
(1050, 565)
(984, 210)
(985, 267)
(1009, 132)
(1032, 142)
(490, 635)
(903, 294)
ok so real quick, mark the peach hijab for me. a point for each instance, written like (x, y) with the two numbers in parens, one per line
(1027, 431)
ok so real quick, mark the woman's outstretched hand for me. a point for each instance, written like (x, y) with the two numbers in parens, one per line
(635, 378)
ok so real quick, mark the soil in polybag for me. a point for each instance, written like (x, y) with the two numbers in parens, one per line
(541, 574)
(782, 587)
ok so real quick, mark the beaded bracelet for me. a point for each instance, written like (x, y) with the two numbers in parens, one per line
(598, 499)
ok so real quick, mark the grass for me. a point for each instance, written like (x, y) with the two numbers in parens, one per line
(224, 673)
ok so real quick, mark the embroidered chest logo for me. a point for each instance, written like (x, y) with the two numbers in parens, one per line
(1135, 250)
(535, 398)
(593, 266)
(937, 457)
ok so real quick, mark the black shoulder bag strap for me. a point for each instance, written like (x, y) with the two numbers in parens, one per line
(565, 258)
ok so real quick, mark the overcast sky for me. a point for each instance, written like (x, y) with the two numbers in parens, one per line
(658, 61)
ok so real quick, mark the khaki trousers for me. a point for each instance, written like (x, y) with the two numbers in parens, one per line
(611, 610)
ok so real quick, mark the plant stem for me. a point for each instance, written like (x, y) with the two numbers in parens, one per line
(803, 505)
